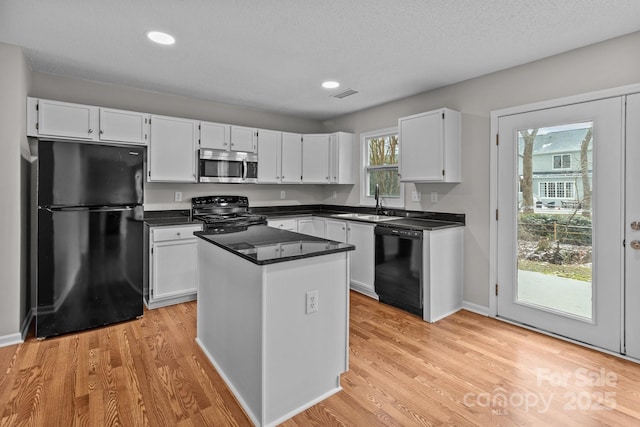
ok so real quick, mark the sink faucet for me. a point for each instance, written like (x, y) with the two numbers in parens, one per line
(376, 195)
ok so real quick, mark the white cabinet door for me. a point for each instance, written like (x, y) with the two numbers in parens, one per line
(362, 259)
(430, 147)
(336, 230)
(341, 158)
(174, 268)
(66, 120)
(172, 149)
(312, 226)
(243, 139)
(315, 159)
(269, 156)
(215, 136)
(123, 126)
(291, 158)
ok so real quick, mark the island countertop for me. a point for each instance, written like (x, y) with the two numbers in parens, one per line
(263, 245)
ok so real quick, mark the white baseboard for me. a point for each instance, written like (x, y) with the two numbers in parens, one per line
(11, 339)
(475, 308)
(363, 289)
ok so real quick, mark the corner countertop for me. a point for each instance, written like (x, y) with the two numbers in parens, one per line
(169, 217)
(261, 244)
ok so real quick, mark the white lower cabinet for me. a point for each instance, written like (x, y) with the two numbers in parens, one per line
(442, 252)
(313, 226)
(362, 260)
(173, 265)
(359, 234)
(336, 230)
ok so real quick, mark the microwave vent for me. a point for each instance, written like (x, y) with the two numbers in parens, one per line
(344, 93)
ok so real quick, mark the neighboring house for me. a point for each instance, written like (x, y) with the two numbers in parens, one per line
(557, 179)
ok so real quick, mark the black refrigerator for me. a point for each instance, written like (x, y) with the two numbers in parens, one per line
(89, 257)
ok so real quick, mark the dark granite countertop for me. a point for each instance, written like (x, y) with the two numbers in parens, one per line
(263, 245)
(419, 224)
(169, 217)
(414, 220)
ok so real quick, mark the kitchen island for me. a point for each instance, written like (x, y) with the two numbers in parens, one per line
(273, 317)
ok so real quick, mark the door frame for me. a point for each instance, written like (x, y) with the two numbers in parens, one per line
(493, 173)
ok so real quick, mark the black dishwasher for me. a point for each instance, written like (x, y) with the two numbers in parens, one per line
(398, 268)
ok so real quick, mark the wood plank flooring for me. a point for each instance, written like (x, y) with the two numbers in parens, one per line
(464, 370)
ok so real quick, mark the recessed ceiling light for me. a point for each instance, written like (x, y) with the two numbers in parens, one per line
(161, 38)
(330, 85)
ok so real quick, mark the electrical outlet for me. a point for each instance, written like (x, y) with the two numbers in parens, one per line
(312, 302)
(177, 196)
(283, 194)
(335, 195)
(434, 197)
(415, 196)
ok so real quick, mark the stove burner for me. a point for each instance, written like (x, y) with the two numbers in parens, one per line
(224, 212)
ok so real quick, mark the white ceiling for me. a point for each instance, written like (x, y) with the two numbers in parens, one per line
(273, 54)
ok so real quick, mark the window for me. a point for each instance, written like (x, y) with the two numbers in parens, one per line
(556, 190)
(381, 151)
(562, 161)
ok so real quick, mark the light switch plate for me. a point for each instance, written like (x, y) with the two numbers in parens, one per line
(177, 196)
(415, 196)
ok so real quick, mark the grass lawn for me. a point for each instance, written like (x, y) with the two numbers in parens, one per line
(577, 272)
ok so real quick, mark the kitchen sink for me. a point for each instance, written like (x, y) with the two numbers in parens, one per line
(365, 217)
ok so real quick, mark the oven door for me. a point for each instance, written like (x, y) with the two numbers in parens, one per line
(398, 268)
(223, 166)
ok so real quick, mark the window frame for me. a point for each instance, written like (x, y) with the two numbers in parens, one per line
(562, 165)
(366, 200)
(545, 194)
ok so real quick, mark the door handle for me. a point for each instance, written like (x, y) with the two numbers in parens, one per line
(635, 244)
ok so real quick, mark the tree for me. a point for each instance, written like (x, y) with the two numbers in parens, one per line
(526, 185)
(584, 171)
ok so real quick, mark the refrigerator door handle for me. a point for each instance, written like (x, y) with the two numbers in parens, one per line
(90, 209)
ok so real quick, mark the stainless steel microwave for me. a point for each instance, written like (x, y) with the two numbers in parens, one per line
(227, 166)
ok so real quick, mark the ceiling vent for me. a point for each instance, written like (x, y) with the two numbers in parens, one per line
(344, 93)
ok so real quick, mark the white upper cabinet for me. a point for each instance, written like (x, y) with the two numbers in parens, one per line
(315, 159)
(172, 149)
(269, 156)
(124, 126)
(215, 136)
(341, 158)
(62, 120)
(291, 158)
(243, 139)
(430, 147)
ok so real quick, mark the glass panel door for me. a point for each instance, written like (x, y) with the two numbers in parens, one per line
(555, 178)
(560, 203)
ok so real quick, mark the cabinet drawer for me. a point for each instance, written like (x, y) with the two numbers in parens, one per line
(161, 234)
(283, 224)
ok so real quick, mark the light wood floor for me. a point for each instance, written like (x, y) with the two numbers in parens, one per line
(464, 370)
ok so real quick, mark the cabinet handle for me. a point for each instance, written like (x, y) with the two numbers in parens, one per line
(101, 132)
(90, 130)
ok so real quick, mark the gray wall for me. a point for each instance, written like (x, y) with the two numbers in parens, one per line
(14, 184)
(604, 65)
